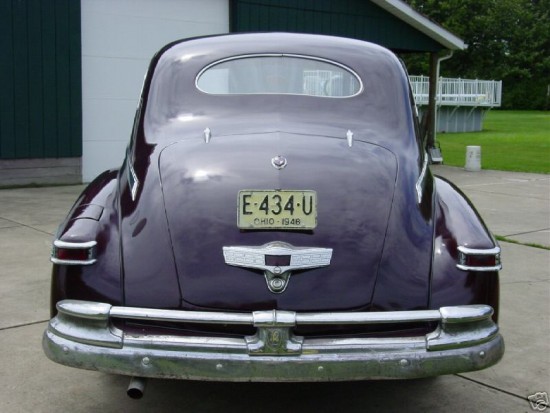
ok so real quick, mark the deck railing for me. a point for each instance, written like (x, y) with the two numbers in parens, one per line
(458, 92)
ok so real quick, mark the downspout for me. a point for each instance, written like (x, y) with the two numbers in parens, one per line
(433, 150)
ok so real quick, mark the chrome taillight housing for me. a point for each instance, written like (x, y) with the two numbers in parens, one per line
(473, 259)
(73, 253)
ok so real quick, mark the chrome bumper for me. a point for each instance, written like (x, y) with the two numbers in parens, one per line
(82, 336)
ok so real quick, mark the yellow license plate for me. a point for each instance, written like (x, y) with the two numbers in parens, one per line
(271, 209)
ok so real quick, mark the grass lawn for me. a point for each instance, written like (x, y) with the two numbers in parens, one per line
(510, 141)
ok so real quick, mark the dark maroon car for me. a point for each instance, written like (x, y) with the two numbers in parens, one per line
(274, 220)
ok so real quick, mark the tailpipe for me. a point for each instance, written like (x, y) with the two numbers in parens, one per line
(136, 388)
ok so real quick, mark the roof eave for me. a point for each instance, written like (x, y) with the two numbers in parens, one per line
(404, 12)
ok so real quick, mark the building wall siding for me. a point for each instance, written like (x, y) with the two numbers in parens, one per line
(41, 101)
(357, 19)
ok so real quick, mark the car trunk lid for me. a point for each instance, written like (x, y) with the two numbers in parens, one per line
(354, 182)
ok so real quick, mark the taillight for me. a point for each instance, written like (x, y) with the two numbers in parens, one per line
(470, 259)
(74, 253)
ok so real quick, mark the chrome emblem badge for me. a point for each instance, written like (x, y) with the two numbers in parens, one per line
(277, 260)
(279, 162)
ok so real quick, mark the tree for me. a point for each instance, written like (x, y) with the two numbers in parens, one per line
(508, 40)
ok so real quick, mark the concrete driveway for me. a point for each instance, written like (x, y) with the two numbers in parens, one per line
(516, 206)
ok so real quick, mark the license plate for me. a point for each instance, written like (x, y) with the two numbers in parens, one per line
(271, 209)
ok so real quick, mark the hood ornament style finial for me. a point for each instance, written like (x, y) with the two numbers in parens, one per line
(279, 162)
(207, 135)
(349, 136)
(277, 260)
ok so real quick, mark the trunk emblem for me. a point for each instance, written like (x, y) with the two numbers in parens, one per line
(279, 162)
(277, 260)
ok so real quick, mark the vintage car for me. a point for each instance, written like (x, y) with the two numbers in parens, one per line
(275, 219)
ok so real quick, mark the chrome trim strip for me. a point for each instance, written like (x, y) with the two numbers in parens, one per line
(71, 262)
(457, 314)
(368, 318)
(92, 310)
(477, 251)
(133, 182)
(89, 245)
(420, 180)
(74, 245)
(300, 56)
(179, 316)
(479, 269)
(465, 251)
(454, 314)
(465, 313)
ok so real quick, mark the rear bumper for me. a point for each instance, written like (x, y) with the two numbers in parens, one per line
(82, 336)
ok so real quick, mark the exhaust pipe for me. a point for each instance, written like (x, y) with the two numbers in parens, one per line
(136, 388)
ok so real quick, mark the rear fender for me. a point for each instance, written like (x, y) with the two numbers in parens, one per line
(93, 218)
(459, 225)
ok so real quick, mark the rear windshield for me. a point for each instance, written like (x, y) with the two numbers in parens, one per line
(279, 74)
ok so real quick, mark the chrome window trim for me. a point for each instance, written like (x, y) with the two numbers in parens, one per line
(88, 245)
(465, 251)
(298, 56)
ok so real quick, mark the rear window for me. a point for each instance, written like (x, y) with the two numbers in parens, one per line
(279, 74)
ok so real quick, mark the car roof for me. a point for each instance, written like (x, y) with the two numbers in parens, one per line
(380, 113)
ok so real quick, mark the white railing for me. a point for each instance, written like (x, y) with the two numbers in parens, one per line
(458, 92)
